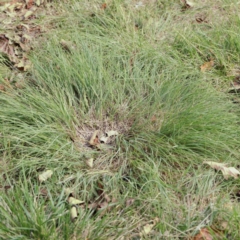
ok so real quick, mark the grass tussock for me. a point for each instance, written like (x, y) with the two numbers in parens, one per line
(135, 71)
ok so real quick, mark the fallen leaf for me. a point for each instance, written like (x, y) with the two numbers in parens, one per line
(2, 88)
(204, 234)
(153, 119)
(38, 2)
(5, 188)
(68, 192)
(103, 139)
(106, 197)
(29, 4)
(130, 201)
(20, 65)
(92, 206)
(7, 47)
(100, 189)
(103, 6)
(111, 133)
(226, 171)
(216, 165)
(74, 201)
(148, 227)
(43, 192)
(68, 46)
(73, 213)
(108, 134)
(89, 162)
(201, 18)
(19, 85)
(139, 4)
(235, 87)
(94, 139)
(28, 14)
(102, 205)
(224, 225)
(45, 175)
(189, 3)
(236, 196)
(207, 66)
(15, 6)
(230, 171)
(104, 147)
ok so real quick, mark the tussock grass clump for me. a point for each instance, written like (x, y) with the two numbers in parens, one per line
(169, 116)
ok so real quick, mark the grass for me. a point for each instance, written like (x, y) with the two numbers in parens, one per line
(135, 71)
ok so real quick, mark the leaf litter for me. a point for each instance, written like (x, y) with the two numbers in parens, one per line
(45, 175)
(20, 30)
(207, 66)
(89, 162)
(226, 171)
(74, 201)
(148, 227)
(203, 234)
(102, 204)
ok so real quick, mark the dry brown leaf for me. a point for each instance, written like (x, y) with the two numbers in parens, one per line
(5, 188)
(204, 234)
(235, 87)
(45, 175)
(68, 191)
(111, 133)
(100, 188)
(230, 172)
(103, 205)
(139, 4)
(201, 18)
(20, 84)
(92, 206)
(207, 66)
(94, 139)
(38, 2)
(7, 47)
(28, 14)
(67, 45)
(74, 201)
(103, 6)
(43, 192)
(103, 139)
(153, 119)
(106, 197)
(2, 88)
(104, 147)
(216, 165)
(73, 213)
(89, 162)
(29, 4)
(148, 227)
(187, 4)
(226, 171)
(224, 225)
(130, 201)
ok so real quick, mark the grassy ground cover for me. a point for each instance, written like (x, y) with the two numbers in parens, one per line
(131, 67)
